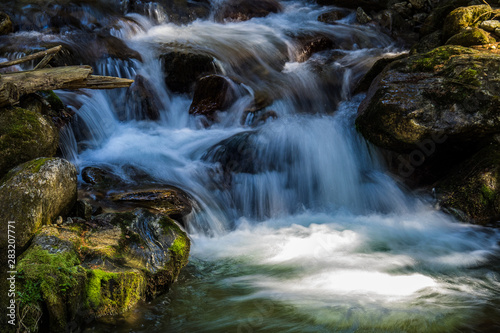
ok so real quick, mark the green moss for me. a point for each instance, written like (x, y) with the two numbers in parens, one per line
(35, 165)
(469, 76)
(54, 100)
(51, 271)
(179, 246)
(113, 292)
(24, 135)
(436, 57)
(123, 219)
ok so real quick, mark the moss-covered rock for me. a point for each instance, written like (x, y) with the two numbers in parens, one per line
(470, 37)
(24, 135)
(450, 92)
(464, 17)
(35, 193)
(5, 24)
(472, 190)
(104, 266)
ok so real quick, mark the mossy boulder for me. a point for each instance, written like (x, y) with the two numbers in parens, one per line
(5, 24)
(470, 37)
(464, 17)
(103, 266)
(471, 191)
(450, 92)
(24, 135)
(36, 193)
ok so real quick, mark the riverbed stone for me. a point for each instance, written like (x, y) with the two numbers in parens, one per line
(490, 25)
(464, 17)
(451, 91)
(470, 37)
(103, 266)
(471, 191)
(242, 10)
(213, 93)
(183, 68)
(24, 135)
(5, 24)
(35, 194)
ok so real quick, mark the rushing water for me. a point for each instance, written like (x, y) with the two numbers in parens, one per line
(307, 232)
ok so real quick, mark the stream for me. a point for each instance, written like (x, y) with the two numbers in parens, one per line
(308, 232)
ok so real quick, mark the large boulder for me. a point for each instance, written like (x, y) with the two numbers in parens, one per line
(24, 135)
(450, 92)
(464, 17)
(471, 191)
(471, 37)
(212, 93)
(104, 266)
(5, 24)
(242, 10)
(33, 194)
(183, 68)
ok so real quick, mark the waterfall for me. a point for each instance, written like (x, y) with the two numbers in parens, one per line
(296, 226)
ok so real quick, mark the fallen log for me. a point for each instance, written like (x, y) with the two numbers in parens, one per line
(16, 84)
(51, 51)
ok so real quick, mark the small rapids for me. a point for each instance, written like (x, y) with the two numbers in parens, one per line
(297, 226)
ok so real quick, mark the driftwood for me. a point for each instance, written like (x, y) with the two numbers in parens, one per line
(47, 54)
(16, 84)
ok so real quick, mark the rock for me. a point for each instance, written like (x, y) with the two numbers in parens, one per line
(242, 10)
(24, 135)
(333, 16)
(237, 154)
(143, 101)
(418, 4)
(182, 69)
(82, 209)
(490, 25)
(366, 4)
(464, 17)
(100, 267)
(374, 71)
(34, 194)
(313, 44)
(361, 16)
(470, 37)
(169, 201)
(428, 43)
(471, 191)
(434, 21)
(101, 178)
(176, 11)
(212, 93)
(5, 24)
(450, 91)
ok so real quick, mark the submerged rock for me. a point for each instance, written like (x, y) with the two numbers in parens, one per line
(143, 100)
(449, 92)
(24, 135)
(471, 191)
(241, 10)
(100, 267)
(34, 194)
